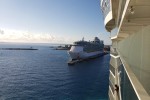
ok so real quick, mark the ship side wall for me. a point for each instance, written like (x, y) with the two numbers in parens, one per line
(76, 52)
(130, 58)
(76, 49)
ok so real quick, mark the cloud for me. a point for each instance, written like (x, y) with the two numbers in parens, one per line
(7, 35)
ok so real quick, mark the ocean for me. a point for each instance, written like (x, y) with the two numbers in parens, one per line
(44, 74)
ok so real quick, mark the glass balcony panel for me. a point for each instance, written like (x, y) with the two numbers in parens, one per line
(112, 69)
(111, 86)
(127, 91)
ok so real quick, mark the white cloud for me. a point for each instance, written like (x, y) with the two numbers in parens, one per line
(8, 35)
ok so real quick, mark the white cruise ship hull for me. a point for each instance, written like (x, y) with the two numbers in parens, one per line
(76, 52)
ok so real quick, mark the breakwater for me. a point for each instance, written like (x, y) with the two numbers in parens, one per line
(18, 49)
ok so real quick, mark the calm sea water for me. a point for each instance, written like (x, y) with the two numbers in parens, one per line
(44, 75)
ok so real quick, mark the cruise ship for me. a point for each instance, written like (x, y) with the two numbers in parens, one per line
(86, 49)
(128, 22)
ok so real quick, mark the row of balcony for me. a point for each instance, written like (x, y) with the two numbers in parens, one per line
(120, 87)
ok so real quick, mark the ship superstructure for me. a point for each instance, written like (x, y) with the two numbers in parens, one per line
(128, 21)
(86, 49)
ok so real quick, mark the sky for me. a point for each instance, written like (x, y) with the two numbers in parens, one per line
(51, 21)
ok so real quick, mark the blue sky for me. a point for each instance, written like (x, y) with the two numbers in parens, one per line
(52, 21)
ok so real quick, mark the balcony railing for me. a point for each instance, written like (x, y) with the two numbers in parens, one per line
(127, 90)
